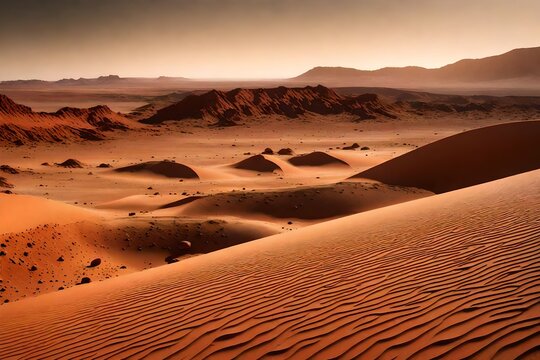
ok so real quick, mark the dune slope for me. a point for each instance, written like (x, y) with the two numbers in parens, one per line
(465, 159)
(449, 276)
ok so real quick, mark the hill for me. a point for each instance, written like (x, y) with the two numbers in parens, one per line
(239, 104)
(20, 124)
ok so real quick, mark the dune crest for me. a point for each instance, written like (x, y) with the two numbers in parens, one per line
(459, 161)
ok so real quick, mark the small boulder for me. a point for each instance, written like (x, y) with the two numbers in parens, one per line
(185, 244)
(352, 147)
(94, 263)
(171, 259)
(285, 151)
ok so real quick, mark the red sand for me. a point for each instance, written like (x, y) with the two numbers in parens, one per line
(448, 276)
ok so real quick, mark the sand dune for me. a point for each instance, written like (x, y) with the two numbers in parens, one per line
(164, 168)
(316, 158)
(449, 276)
(465, 159)
(259, 163)
(306, 203)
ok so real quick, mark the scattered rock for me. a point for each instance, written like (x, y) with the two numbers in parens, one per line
(4, 183)
(131, 214)
(365, 148)
(268, 151)
(352, 147)
(85, 280)
(8, 169)
(60, 259)
(104, 166)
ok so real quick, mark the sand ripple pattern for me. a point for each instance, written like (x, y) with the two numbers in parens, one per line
(452, 276)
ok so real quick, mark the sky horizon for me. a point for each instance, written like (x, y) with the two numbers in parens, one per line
(257, 39)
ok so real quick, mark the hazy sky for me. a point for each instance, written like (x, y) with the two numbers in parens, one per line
(53, 39)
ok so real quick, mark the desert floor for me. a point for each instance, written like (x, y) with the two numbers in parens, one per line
(342, 267)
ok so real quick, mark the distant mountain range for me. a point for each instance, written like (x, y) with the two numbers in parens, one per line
(226, 108)
(516, 72)
(102, 81)
(514, 67)
(19, 124)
